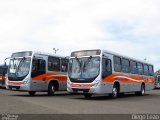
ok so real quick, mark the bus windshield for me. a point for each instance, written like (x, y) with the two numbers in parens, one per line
(84, 68)
(19, 68)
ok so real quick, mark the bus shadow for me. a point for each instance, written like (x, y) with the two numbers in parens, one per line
(101, 98)
(45, 95)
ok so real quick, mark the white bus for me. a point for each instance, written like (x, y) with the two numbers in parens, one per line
(103, 72)
(35, 71)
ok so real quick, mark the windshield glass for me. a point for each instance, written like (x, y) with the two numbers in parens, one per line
(19, 67)
(84, 68)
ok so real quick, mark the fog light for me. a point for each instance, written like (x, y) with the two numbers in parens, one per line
(25, 82)
(96, 84)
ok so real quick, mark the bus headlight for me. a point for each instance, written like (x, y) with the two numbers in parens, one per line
(68, 83)
(96, 84)
(26, 81)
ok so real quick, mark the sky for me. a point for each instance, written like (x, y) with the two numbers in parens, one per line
(128, 27)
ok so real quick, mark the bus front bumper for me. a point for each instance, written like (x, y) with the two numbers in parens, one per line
(103, 88)
(84, 89)
(17, 85)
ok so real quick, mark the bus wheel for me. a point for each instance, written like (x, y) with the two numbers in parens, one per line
(32, 93)
(114, 92)
(142, 92)
(87, 95)
(51, 89)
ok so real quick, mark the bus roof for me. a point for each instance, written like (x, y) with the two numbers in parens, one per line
(124, 56)
(116, 54)
(38, 52)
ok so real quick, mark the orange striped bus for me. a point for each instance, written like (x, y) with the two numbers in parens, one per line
(104, 72)
(37, 72)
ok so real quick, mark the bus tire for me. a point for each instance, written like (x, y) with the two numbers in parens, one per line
(142, 92)
(32, 93)
(87, 95)
(51, 89)
(114, 92)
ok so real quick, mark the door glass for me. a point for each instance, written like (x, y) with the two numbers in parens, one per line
(38, 67)
(64, 65)
(106, 67)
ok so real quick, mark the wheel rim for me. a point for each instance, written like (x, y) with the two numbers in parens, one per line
(52, 89)
(143, 90)
(114, 92)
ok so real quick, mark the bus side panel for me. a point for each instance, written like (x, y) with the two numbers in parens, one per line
(62, 85)
(149, 86)
(130, 83)
(59, 77)
(149, 83)
(102, 88)
(41, 82)
(39, 85)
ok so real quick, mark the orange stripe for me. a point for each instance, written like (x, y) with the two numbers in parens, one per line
(15, 83)
(2, 78)
(128, 79)
(48, 76)
(81, 85)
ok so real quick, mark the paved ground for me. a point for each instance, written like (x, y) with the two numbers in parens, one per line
(63, 103)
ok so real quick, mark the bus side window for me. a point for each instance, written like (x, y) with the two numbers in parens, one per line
(151, 71)
(64, 65)
(140, 68)
(125, 65)
(38, 67)
(117, 64)
(106, 67)
(41, 65)
(146, 70)
(53, 64)
(133, 67)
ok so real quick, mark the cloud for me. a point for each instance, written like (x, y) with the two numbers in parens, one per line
(124, 26)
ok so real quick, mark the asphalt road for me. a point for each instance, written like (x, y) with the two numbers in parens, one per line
(16, 102)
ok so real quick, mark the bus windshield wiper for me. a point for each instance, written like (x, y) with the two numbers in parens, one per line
(79, 63)
(20, 63)
(86, 63)
(14, 65)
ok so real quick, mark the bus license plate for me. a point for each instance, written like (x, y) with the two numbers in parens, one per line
(13, 88)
